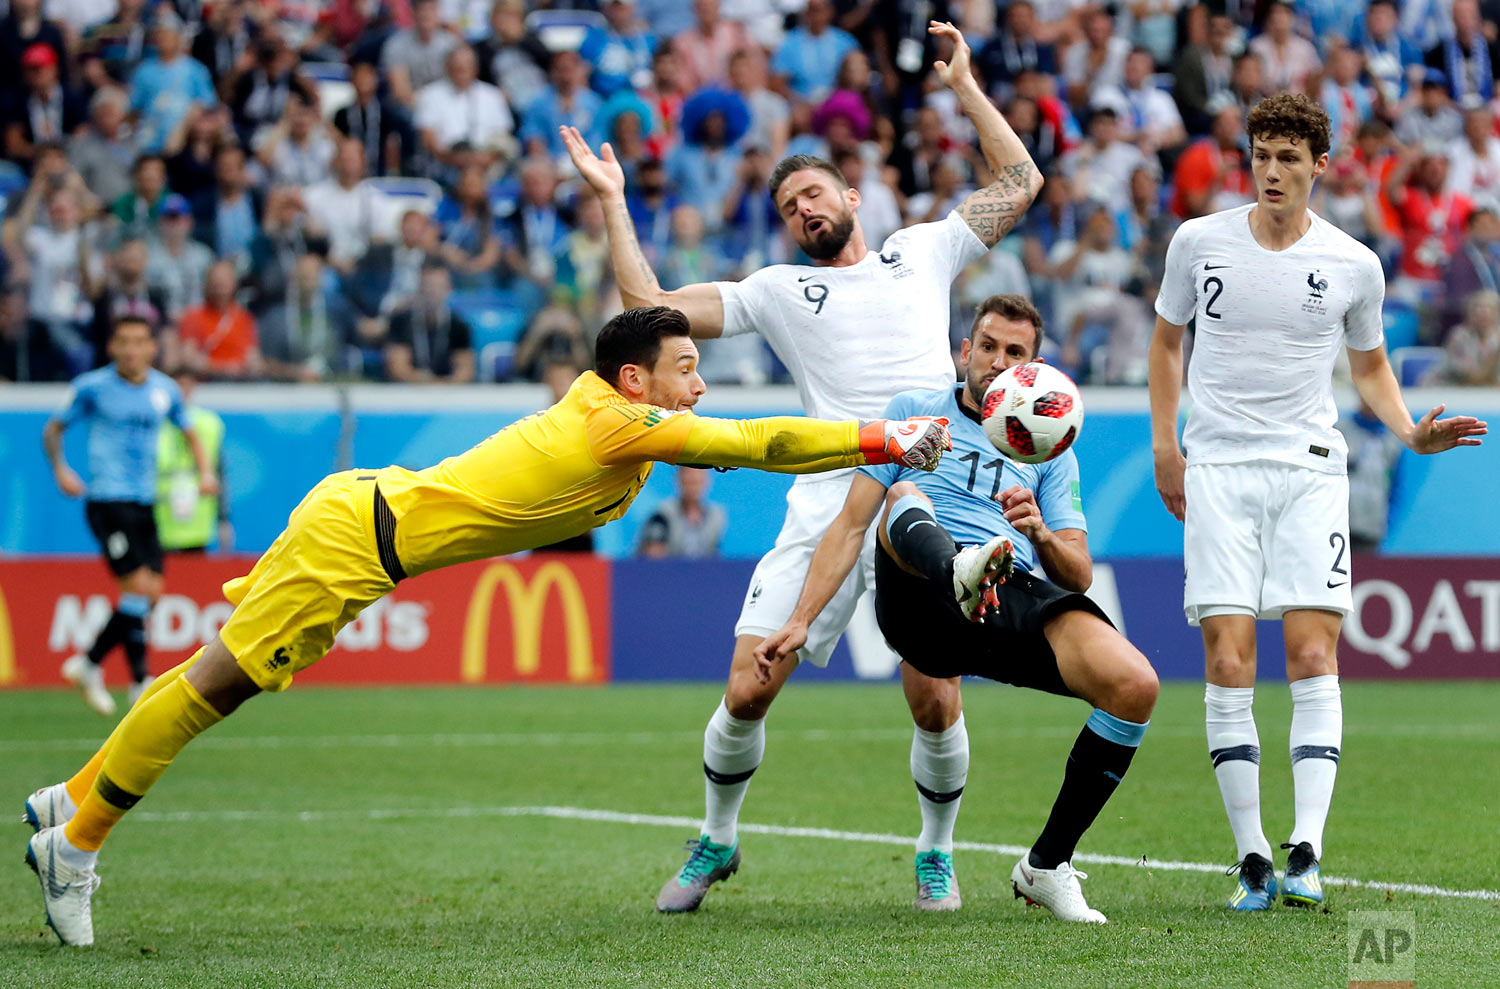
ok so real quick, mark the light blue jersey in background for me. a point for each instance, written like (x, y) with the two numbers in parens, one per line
(969, 476)
(123, 420)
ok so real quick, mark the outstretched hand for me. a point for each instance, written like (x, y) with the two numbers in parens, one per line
(779, 646)
(603, 174)
(1434, 435)
(956, 68)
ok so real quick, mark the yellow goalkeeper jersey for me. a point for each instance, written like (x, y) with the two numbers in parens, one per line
(564, 471)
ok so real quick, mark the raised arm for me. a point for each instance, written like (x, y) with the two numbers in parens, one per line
(993, 211)
(701, 303)
(830, 564)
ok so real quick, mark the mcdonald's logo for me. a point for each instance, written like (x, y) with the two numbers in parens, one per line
(528, 606)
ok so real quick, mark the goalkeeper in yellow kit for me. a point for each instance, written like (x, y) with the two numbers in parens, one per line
(549, 476)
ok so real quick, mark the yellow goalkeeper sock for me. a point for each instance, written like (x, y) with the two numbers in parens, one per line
(147, 743)
(83, 780)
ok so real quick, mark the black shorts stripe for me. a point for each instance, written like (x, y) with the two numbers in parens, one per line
(728, 779)
(385, 539)
(1315, 752)
(1245, 753)
(113, 795)
(939, 798)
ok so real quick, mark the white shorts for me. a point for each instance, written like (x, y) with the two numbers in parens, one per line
(1263, 538)
(811, 506)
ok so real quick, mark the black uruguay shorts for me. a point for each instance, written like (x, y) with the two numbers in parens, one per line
(126, 532)
(926, 626)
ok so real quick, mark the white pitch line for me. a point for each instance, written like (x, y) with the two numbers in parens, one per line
(778, 830)
(508, 739)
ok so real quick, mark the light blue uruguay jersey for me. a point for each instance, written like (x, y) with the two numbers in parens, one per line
(969, 476)
(123, 420)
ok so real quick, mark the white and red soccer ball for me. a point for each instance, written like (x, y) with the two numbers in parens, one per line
(1032, 412)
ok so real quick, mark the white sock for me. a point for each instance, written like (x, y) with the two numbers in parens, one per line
(1317, 734)
(73, 856)
(732, 749)
(1234, 745)
(940, 766)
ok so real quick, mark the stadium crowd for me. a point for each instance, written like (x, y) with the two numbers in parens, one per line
(376, 190)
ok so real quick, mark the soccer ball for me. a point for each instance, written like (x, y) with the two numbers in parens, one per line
(1032, 412)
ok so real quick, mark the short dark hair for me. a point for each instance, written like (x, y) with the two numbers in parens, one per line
(120, 322)
(634, 337)
(1292, 116)
(1008, 305)
(796, 163)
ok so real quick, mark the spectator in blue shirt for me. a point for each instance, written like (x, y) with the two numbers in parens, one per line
(812, 52)
(568, 101)
(705, 165)
(620, 52)
(1391, 60)
(167, 86)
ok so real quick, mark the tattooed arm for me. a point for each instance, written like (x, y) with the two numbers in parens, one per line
(701, 304)
(993, 211)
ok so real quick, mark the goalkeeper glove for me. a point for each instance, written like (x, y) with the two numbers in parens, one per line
(917, 442)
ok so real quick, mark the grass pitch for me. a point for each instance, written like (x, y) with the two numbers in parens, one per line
(401, 838)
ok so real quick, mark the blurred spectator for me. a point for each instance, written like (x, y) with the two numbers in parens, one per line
(1289, 59)
(43, 110)
(1348, 101)
(471, 244)
(553, 350)
(1432, 219)
(1330, 24)
(1467, 56)
(1474, 159)
(139, 209)
(1392, 62)
(949, 188)
(428, 343)
(704, 48)
(585, 279)
(687, 526)
(187, 520)
(650, 203)
(1472, 354)
(167, 85)
(299, 149)
(1426, 22)
(375, 122)
(223, 41)
(620, 52)
(1346, 198)
(177, 264)
(1213, 173)
(21, 28)
(285, 235)
(192, 161)
(811, 53)
(263, 94)
(103, 150)
(879, 211)
(770, 115)
(537, 228)
(667, 18)
(1145, 228)
(127, 292)
(386, 278)
(1100, 168)
(1432, 117)
(343, 207)
(512, 57)
(1204, 67)
(233, 223)
(627, 123)
(567, 102)
(1147, 115)
(1049, 225)
(61, 261)
(1374, 452)
(1475, 266)
(111, 49)
(1096, 60)
(1093, 277)
(924, 145)
(1247, 82)
(413, 58)
(667, 94)
(460, 109)
(1015, 49)
(1156, 27)
(704, 165)
(219, 337)
(689, 259)
(303, 336)
(16, 341)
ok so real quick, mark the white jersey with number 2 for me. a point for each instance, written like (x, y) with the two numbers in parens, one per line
(1268, 330)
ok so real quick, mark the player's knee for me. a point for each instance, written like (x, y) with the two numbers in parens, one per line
(1226, 664)
(747, 698)
(1309, 659)
(935, 711)
(1135, 691)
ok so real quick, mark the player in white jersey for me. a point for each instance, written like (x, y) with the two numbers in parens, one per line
(1273, 290)
(854, 328)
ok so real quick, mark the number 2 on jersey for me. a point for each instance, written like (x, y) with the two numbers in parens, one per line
(1215, 284)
